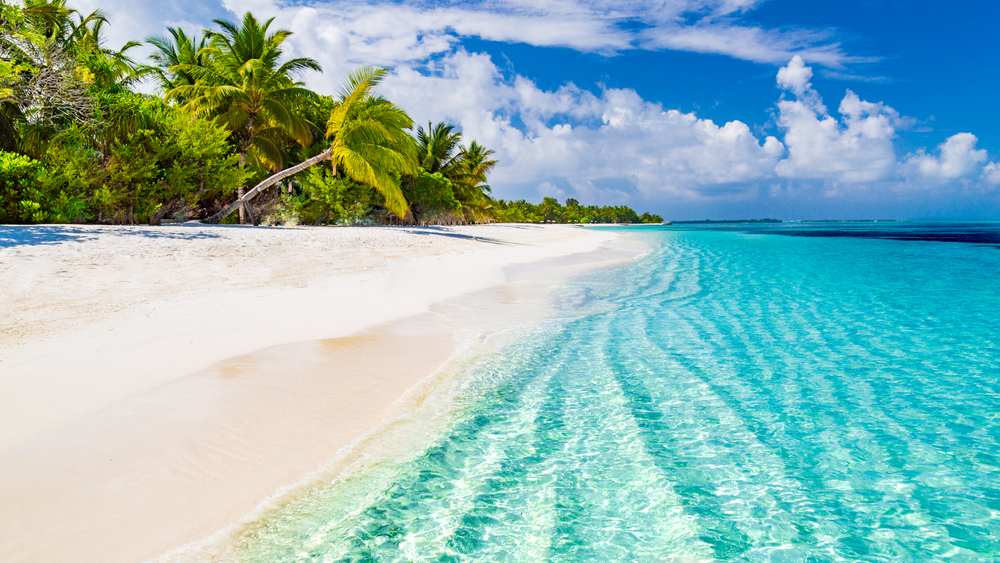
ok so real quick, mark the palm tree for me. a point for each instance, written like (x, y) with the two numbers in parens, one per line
(174, 51)
(246, 87)
(368, 139)
(62, 47)
(438, 146)
(472, 168)
(53, 20)
(475, 166)
(112, 69)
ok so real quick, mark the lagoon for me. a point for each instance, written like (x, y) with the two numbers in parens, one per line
(787, 392)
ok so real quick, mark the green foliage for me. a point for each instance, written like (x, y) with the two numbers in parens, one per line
(431, 193)
(287, 212)
(232, 110)
(173, 162)
(438, 146)
(439, 151)
(368, 138)
(19, 196)
(519, 211)
(335, 200)
(173, 52)
(550, 211)
(241, 80)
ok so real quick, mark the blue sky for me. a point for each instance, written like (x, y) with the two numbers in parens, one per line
(689, 108)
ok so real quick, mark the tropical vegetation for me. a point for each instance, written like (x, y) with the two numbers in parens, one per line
(231, 127)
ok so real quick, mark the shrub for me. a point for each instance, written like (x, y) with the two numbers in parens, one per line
(20, 197)
(175, 163)
(331, 199)
(432, 194)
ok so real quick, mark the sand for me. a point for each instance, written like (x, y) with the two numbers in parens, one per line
(158, 383)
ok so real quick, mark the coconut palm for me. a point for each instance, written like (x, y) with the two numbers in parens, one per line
(245, 86)
(70, 68)
(475, 166)
(369, 143)
(53, 20)
(439, 148)
(173, 51)
(469, 180)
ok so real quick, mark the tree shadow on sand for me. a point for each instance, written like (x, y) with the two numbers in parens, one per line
(34, 235)
(444, 232)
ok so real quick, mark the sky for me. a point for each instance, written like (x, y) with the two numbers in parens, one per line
(692, 109)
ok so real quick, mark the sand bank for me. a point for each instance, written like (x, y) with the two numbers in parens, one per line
(151, 387)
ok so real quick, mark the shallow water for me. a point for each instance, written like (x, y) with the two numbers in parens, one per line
(734, 395)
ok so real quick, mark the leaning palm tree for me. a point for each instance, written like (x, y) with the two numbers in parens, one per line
(369, 143)
(245, 86)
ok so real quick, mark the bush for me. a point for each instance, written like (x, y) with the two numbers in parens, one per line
(176, 164)
(431, 196)
(331, 199)
(20, 198)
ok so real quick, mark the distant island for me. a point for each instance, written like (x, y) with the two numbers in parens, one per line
(743, 221)
(848, 221)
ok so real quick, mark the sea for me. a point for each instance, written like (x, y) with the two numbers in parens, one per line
(739, 392)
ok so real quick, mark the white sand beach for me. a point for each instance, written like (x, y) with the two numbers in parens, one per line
(158, 383)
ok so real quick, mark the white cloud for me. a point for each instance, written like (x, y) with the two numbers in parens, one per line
(860, 148)
(958, 158)
(991, 173)
(857, 148)
(795, 76)
(582, 137)
(610, 145)
(344, 34)
(132, 21)
(748, 43)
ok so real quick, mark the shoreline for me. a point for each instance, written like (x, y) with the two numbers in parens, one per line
(273, 416)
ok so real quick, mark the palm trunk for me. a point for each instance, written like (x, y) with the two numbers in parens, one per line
(268, 182)
(243, 210)
(244, 147)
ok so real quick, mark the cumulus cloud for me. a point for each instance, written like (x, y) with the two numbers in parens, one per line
(859, 148)
(131, 21)
(582, 137)
(958, 158)
(856, 148)
(606, 145)
(795, 76)
(991, 173)
(344, 34)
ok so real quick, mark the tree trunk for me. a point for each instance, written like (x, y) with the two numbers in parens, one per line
(243, 210)
(268, 182)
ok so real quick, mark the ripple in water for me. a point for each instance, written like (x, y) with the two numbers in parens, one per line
(731, 397)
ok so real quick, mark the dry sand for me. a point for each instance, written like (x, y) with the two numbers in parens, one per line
(156, 384)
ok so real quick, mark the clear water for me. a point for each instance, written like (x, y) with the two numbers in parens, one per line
(743, 393)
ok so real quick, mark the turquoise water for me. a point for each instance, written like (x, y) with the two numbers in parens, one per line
(742, 393)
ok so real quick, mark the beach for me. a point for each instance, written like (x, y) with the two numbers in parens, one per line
(158, 383)
(738, 392)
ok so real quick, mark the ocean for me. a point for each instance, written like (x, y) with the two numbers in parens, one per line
(741, 392)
